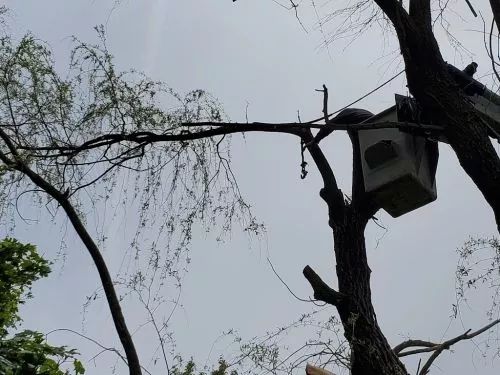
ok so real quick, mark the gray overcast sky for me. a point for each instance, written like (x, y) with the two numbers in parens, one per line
(256, 52)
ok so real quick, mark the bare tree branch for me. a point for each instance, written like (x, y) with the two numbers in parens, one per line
(107, 283)
(322, 291)
(104, 348)
(437, 349)
(412, 343)
(325, 103)
(286, 285)
(218, 128)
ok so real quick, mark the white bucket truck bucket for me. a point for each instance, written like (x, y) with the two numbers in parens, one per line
(399, 168)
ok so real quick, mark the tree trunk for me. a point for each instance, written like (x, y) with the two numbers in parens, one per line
(370, 351)
(435, 90)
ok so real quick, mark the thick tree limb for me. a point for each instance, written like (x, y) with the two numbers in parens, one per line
(495, 8)
(436, 91)
(420, 11)
(229, 128)
(331, 194)
(394, 10)
(322, 291)
(17, 163)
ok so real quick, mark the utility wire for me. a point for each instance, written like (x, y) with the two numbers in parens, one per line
(359, 99)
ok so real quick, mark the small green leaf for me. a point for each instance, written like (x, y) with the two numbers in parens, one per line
(79, 369)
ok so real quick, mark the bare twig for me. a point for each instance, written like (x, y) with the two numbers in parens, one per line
(492, 57)
(418, 367)
(325, 103)
(286, 285)
(295, 7)
(104, 348)
(436, 349)
(360, 98)
(156, 328)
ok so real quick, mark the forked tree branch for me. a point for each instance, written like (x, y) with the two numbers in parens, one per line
(447, 344)
(94, 341)
(331, 194)
(437, 349)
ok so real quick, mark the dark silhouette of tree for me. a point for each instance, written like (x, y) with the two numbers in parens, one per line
(431, 84)
(60, 137)
(467, 132)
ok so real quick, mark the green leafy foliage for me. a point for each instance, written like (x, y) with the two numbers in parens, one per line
(20, 266)
(190, 369)
(26, 352)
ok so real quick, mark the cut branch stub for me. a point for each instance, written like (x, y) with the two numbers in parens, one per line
(322, 292)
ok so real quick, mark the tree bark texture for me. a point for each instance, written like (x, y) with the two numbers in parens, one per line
(370, 351)
(371, 354)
